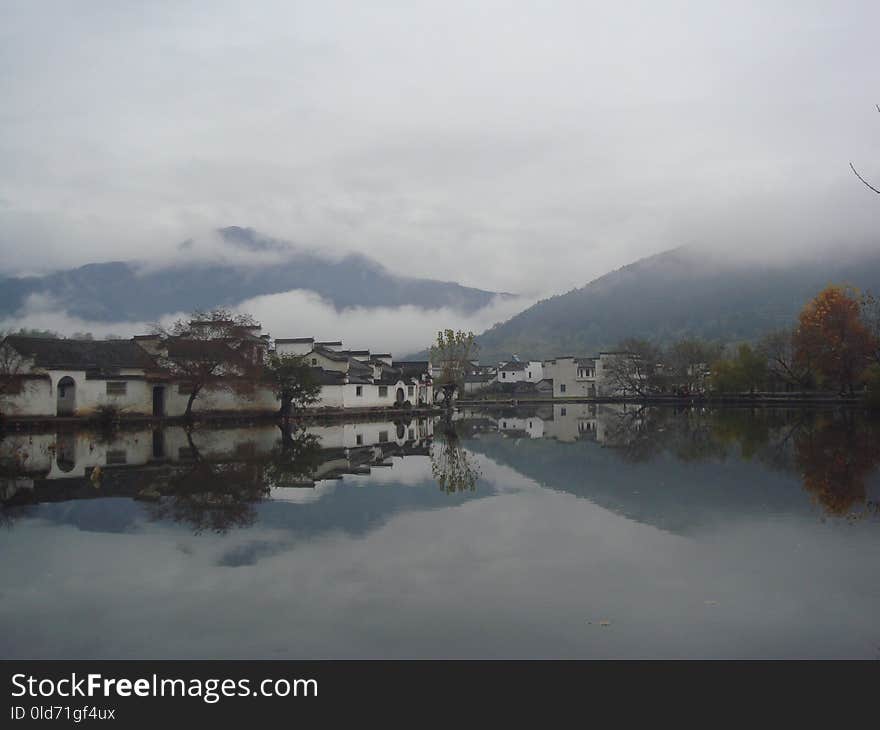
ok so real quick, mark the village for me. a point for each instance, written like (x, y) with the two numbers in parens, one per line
(218, 366)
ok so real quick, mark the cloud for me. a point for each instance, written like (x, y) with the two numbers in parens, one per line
(520, 148)
(300, 313)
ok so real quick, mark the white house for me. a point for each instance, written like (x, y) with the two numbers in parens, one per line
(515, 371)
(359, 378)
(582, 377)
(153, 375)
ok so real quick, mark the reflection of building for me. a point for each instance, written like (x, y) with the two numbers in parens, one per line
(136, 459)
(560, 421)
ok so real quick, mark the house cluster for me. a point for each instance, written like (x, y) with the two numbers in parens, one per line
(210, 367)
(561, 377)
(359, 378)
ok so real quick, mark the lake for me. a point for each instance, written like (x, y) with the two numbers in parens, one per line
(564, 531)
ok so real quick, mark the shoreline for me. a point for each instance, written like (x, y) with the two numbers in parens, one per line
(41, 423)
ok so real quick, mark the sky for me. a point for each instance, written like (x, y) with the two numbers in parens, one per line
(513, 146)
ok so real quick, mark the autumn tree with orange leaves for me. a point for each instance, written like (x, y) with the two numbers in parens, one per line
(832, 338)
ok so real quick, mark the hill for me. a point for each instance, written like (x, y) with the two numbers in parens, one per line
(129, 291)
(684, 292)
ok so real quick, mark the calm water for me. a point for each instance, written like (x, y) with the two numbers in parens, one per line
(568, 531)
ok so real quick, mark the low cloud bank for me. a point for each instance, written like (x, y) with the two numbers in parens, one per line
(299, 313)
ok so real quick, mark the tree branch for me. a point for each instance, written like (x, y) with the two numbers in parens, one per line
(867, 184)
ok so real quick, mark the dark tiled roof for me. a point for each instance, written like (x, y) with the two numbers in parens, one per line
(327, 377)
(291, 340)
(204, 351)
(390, 376)
(513, 365)
(480, 378)
(59, 354)
(412, 368)
(331, 355)
(330, 343)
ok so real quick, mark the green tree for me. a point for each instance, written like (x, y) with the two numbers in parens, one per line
(293, 382)
(746, 371)
(453, 353)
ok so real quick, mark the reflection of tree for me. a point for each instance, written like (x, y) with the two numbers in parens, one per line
(212, 496)
(835, 456)
(294, 460)
(452, 467)
(833, 452)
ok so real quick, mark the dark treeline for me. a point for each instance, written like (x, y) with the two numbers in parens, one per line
(834, 347)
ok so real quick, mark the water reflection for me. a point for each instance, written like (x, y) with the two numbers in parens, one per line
(213, 479)
(699, 533)
(452, 467)
(208, 479)
(833, 452)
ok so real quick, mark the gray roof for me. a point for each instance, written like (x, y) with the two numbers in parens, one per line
(513, 365)
(58, 354)
(327, 377)
(331, 354)
(291, 340)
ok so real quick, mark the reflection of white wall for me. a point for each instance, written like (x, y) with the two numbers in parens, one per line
(355, 435)
(73, 454)
(35, 399)
(532, 426)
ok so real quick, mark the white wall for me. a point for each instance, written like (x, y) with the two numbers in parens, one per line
(535, 371)
(35, 399)
(220, 399)
(293, 348)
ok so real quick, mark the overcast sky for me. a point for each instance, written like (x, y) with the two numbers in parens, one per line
(519, 146)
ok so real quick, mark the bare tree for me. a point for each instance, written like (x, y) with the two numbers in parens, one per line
(634, 367)
(687, 363)
(215, 349)
(11, 369)
(856, 172)
(778, 347)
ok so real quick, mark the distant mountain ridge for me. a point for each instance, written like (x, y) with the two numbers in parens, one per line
(125, 291)
(687, 291)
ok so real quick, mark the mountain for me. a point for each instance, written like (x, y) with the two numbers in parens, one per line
(688, 291)
(128, 291)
